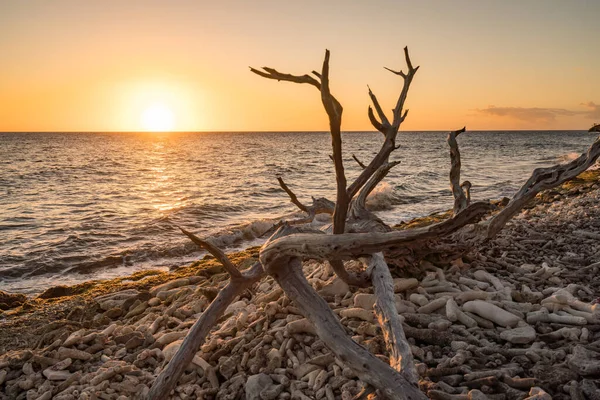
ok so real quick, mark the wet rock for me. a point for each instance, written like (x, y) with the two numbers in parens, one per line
(58, 291)
(11, 300)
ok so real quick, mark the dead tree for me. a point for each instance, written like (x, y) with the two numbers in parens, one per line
(358, 234)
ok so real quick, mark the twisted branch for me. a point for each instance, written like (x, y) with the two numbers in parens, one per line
(460, 200)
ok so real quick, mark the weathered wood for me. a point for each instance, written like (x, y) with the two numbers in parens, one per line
(288, 273)
(390, 130)
(360, 163)
(216, 252)
(167, 379)
(334, 112)
(292, 195)
(460, 200)
(353, 245)
(401, 358)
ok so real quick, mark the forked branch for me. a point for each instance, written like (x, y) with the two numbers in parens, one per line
(239, 282)
(390, 130)
(288, 273)
(334, 112)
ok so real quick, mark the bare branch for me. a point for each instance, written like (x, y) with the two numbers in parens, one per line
(384, 121)
(390, 131)
(360, 279)
(460, 200)
(400, 73)
(363, 166)
(348, 245)
(292, 195)
(368, 368)
(216, 252)
(376, 124)
(167, 379)
(274, 74)
(401, 358)
(408, 77)
(377, 177)
(334, 111)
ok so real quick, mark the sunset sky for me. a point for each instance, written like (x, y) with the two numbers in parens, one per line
(100, 65)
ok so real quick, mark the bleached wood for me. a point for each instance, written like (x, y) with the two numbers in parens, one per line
(401, 358)
(390, 130)
(292, 195)
(167, 379)
(216, 252)
(352, 245)
(393, 385)
(460, 200)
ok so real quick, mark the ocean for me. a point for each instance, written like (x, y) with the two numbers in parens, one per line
(81, 206)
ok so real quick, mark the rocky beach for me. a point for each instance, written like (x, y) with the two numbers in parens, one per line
(515, 318)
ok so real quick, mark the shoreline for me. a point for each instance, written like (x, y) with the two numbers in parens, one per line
(549, 246)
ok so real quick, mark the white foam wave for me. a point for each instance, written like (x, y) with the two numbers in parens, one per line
(381, 198)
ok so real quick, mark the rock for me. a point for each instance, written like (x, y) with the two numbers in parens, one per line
(47, 395)
(274, 358)
(74, 338)
(236, 307)
(169, 285)
(53, 375)
(401, 284)
(256, 384)
(272, 392)
(538, 394)
(522, 335)
(75, 354)
(301, 326)
(228, 366)
(11, 300)
(582, 361)
(418, 299)
(337, 287)
(153, 302)
(170, 349)
(365, 301)
(58, 291)
(492, 312)
(117, 299)
(135, 342)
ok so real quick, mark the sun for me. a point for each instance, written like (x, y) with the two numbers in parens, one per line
(158, 118)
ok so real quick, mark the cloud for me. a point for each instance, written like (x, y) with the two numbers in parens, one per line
(594, 112)
(540, 114)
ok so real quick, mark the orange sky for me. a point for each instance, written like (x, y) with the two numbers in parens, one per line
(97, 65)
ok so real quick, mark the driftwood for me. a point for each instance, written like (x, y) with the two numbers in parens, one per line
(461, 199)
(356, 233)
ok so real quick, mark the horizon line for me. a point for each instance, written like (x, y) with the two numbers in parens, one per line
(296, 131)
